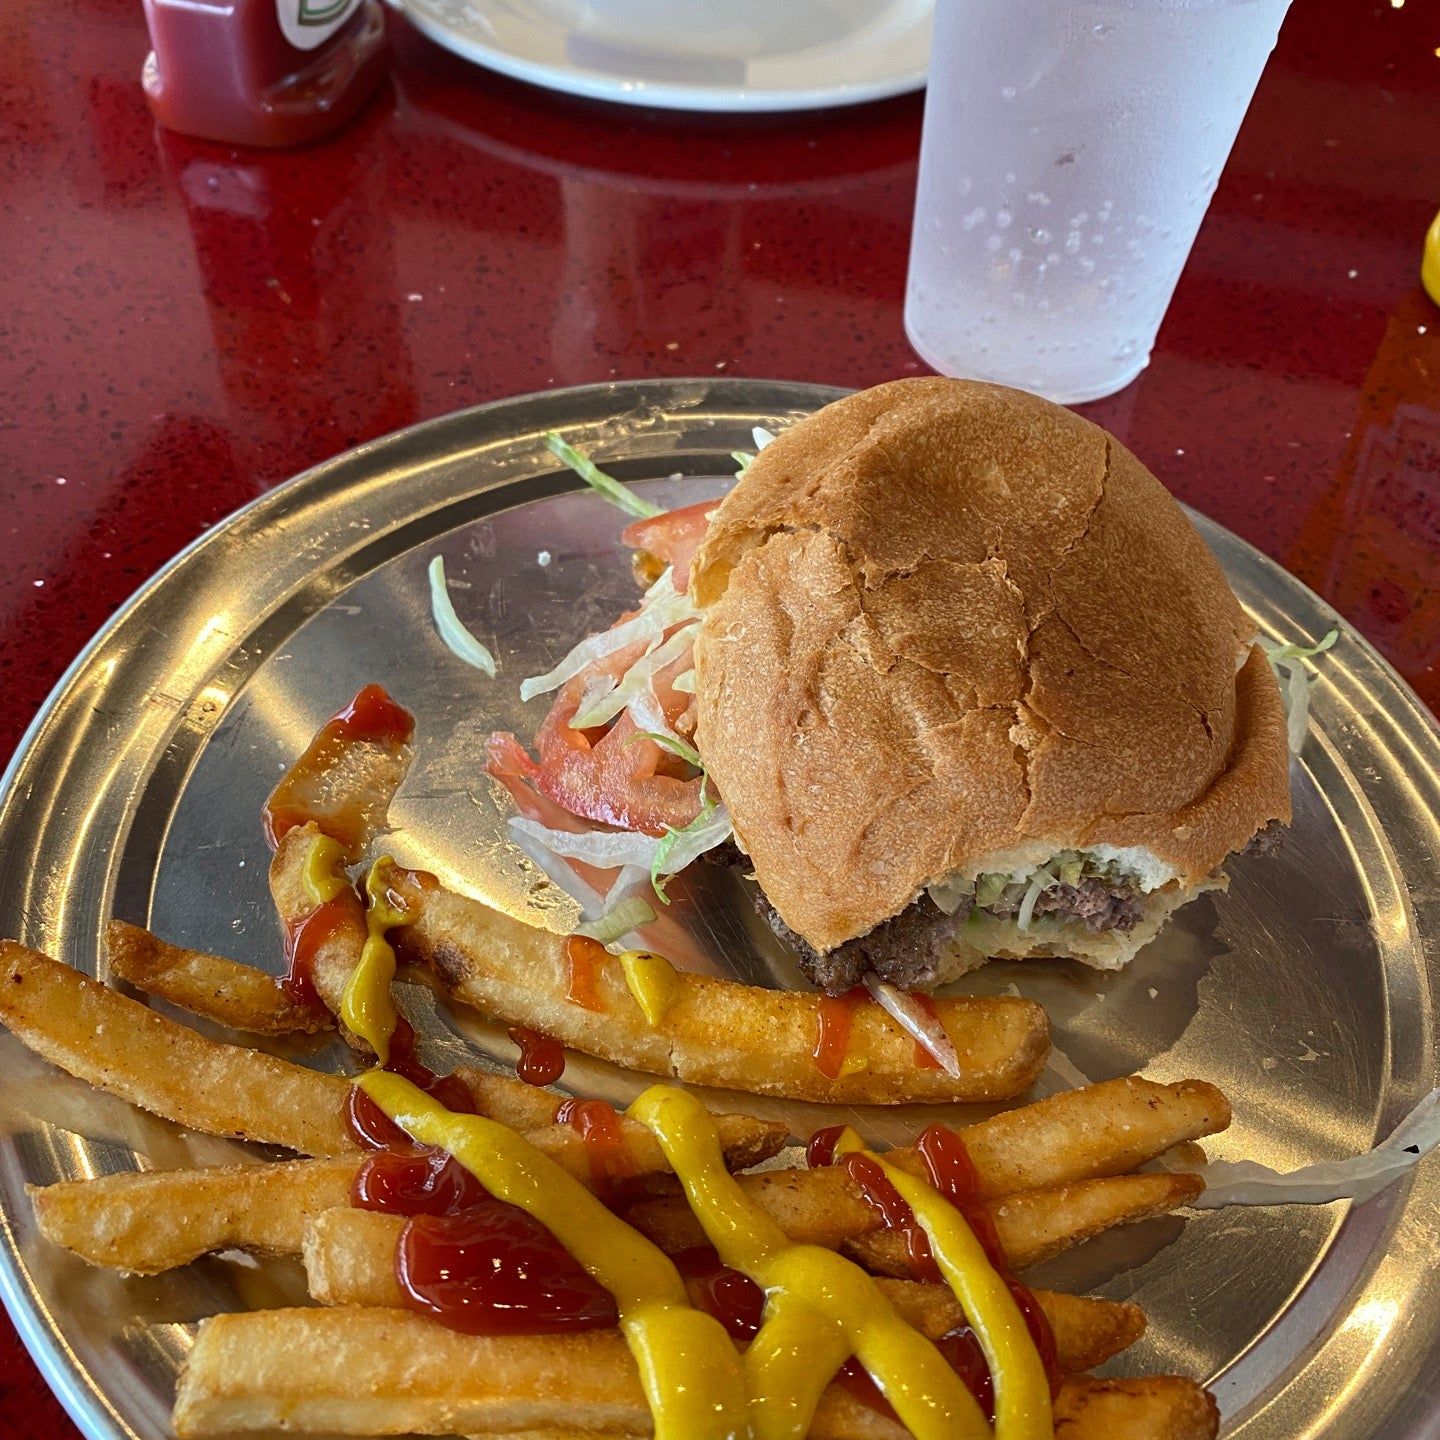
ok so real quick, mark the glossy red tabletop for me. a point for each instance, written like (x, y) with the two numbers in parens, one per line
(182, 325)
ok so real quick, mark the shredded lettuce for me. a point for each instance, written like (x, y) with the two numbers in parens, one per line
(743, 458)
(450, 627)
(605, 485)
(1246, 1182)
(605, 706)
(677, 848)
(661, 608)
(1287, 661)
(613, 849)
(1278, 654)
(989, 888)
(674, 745)
(629, 914)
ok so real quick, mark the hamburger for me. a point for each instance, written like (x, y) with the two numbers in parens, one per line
(970, 685)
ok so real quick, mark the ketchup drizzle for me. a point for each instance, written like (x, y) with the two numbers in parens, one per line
(541, 1060)
(371, 1126)
(735, 1300)
(832, 1036)
(583, 958)
(950, 1171)
(597, 1124)
(303, 939)
(465, 1258)
(371, 718)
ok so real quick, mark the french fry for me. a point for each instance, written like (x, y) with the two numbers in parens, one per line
(1105, 1129)
(366, 1371)
(716, 1032)
(510, 1101)
(744, 1139)
(115, 1043)
(350, 1260)
(1158, 1407)
(823, 1207)
(221, 990)
(1039, 1224)
(337, 954)
(157, 1220)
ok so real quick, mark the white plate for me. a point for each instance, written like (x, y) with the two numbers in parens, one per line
(718, 55)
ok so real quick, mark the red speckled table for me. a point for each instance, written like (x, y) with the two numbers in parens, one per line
(183, 326)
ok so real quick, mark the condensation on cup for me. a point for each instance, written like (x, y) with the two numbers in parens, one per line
(1070, 149)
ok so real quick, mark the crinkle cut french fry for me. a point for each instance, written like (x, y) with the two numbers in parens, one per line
(1039, 1224)
(221, 990)
(350, 1260)
(716, 1032)
(148, 1059)
(156, 1220)
(364, 1371)
(822, 1207)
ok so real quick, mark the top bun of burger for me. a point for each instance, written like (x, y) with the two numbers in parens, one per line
(953, 634)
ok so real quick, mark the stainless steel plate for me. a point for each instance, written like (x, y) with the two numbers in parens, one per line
(1305, 991)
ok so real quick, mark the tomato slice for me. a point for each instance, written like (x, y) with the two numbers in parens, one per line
(672, 537)
(613, 775)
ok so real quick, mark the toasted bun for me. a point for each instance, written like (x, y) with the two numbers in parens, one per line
(945, 620)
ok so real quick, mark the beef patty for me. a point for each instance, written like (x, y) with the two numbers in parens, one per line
(906, 950)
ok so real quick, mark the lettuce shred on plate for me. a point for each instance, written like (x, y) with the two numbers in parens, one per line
(451, 628)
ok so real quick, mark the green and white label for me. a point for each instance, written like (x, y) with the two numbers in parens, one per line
(308, 23)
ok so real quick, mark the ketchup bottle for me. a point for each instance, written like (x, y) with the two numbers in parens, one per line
(262, 72)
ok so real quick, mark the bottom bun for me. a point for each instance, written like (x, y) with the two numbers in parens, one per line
(987, 937)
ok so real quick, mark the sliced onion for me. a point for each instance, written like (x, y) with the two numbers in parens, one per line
(606, 707)
(684, 682)
(662, 608)
(703, 833)
(907, 1013)
(949, 895)
(1246, 1182)
(762, 437)
(450, 627)
(1040, 882)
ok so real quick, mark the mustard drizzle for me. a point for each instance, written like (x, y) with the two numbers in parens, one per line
(367, 1006)
(324, 873)
(689, 1370)
(821, 1306)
